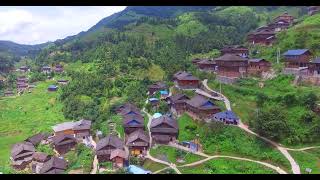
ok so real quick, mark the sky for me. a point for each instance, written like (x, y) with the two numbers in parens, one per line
(39, 24)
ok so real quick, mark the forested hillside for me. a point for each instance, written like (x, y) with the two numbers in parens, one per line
(123, 61)
(115, 61)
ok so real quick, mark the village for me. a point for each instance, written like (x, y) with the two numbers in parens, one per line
(162, 128)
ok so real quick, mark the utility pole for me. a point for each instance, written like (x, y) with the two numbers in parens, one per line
(278, 55)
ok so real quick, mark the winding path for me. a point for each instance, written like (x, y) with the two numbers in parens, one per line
(303, 149)
(294, 166)
(174, 167)
(279, 170)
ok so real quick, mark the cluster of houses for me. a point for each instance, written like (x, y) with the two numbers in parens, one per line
(58, 68)
(234, 63)
(266, 35)
(65, 138)
(199, 106)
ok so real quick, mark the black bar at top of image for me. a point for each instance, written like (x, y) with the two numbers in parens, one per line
(161, 2)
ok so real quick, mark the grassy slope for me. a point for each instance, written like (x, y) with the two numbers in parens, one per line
(231, 141)
(308, 159)
(171, 154)
(26, 115)
(227, 166)
(152, 166)
(243, 100)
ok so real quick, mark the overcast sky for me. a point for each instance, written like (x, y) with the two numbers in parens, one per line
(39, 24)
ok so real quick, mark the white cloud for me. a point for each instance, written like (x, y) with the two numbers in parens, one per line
(33, 25)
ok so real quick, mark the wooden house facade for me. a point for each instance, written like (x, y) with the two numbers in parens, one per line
(314, 67)
(185, 80)
(118, 157)
(200, 107)
(46, 69)
(164, 129)
(177, 103)
(58, 68)
(156, 87)
(238, 50)
(64, 143)
(297, 58)
(24, 69)
(231, 67)
(286, 17)
(79, 129)
(106, 145)
(264, 37)
(207, 65)
(133, 122)
(258, 66)
(138, 142)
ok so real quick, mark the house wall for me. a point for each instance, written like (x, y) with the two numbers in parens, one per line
(68, 131)
(103, 158)
(173, 137)
(200, 113)
(260, 39)
(258, 68)
(297, 61)
(207, 66)
(62, 149)
(129, 130)
(188, 84)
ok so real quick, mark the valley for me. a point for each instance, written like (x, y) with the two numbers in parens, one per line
(168, 92)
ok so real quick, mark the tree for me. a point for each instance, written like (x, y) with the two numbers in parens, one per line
(271, 122)
(289, 99)
(310, 100)
(261, 98)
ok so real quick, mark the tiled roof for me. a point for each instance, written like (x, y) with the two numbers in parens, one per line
(231, 57)
(110, 140)
(295, 52)
(166, 120)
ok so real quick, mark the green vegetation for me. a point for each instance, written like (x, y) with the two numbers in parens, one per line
(110, 66)
(307, 159)
(27, 115)
(82, 158)
(171, 154)
(152, 166)
(217, 138)
(279, 110)
(45, 148)
(168, 171)
(227, 166)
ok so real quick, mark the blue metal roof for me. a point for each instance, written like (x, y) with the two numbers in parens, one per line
(53, 86)
(226, 115)
(137, 170)
(295, 52)
(164, 92)
(156, 115)
(153, 99)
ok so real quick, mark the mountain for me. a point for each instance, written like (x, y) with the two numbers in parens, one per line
(20, 49)
(131, 14)
(127, 16)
